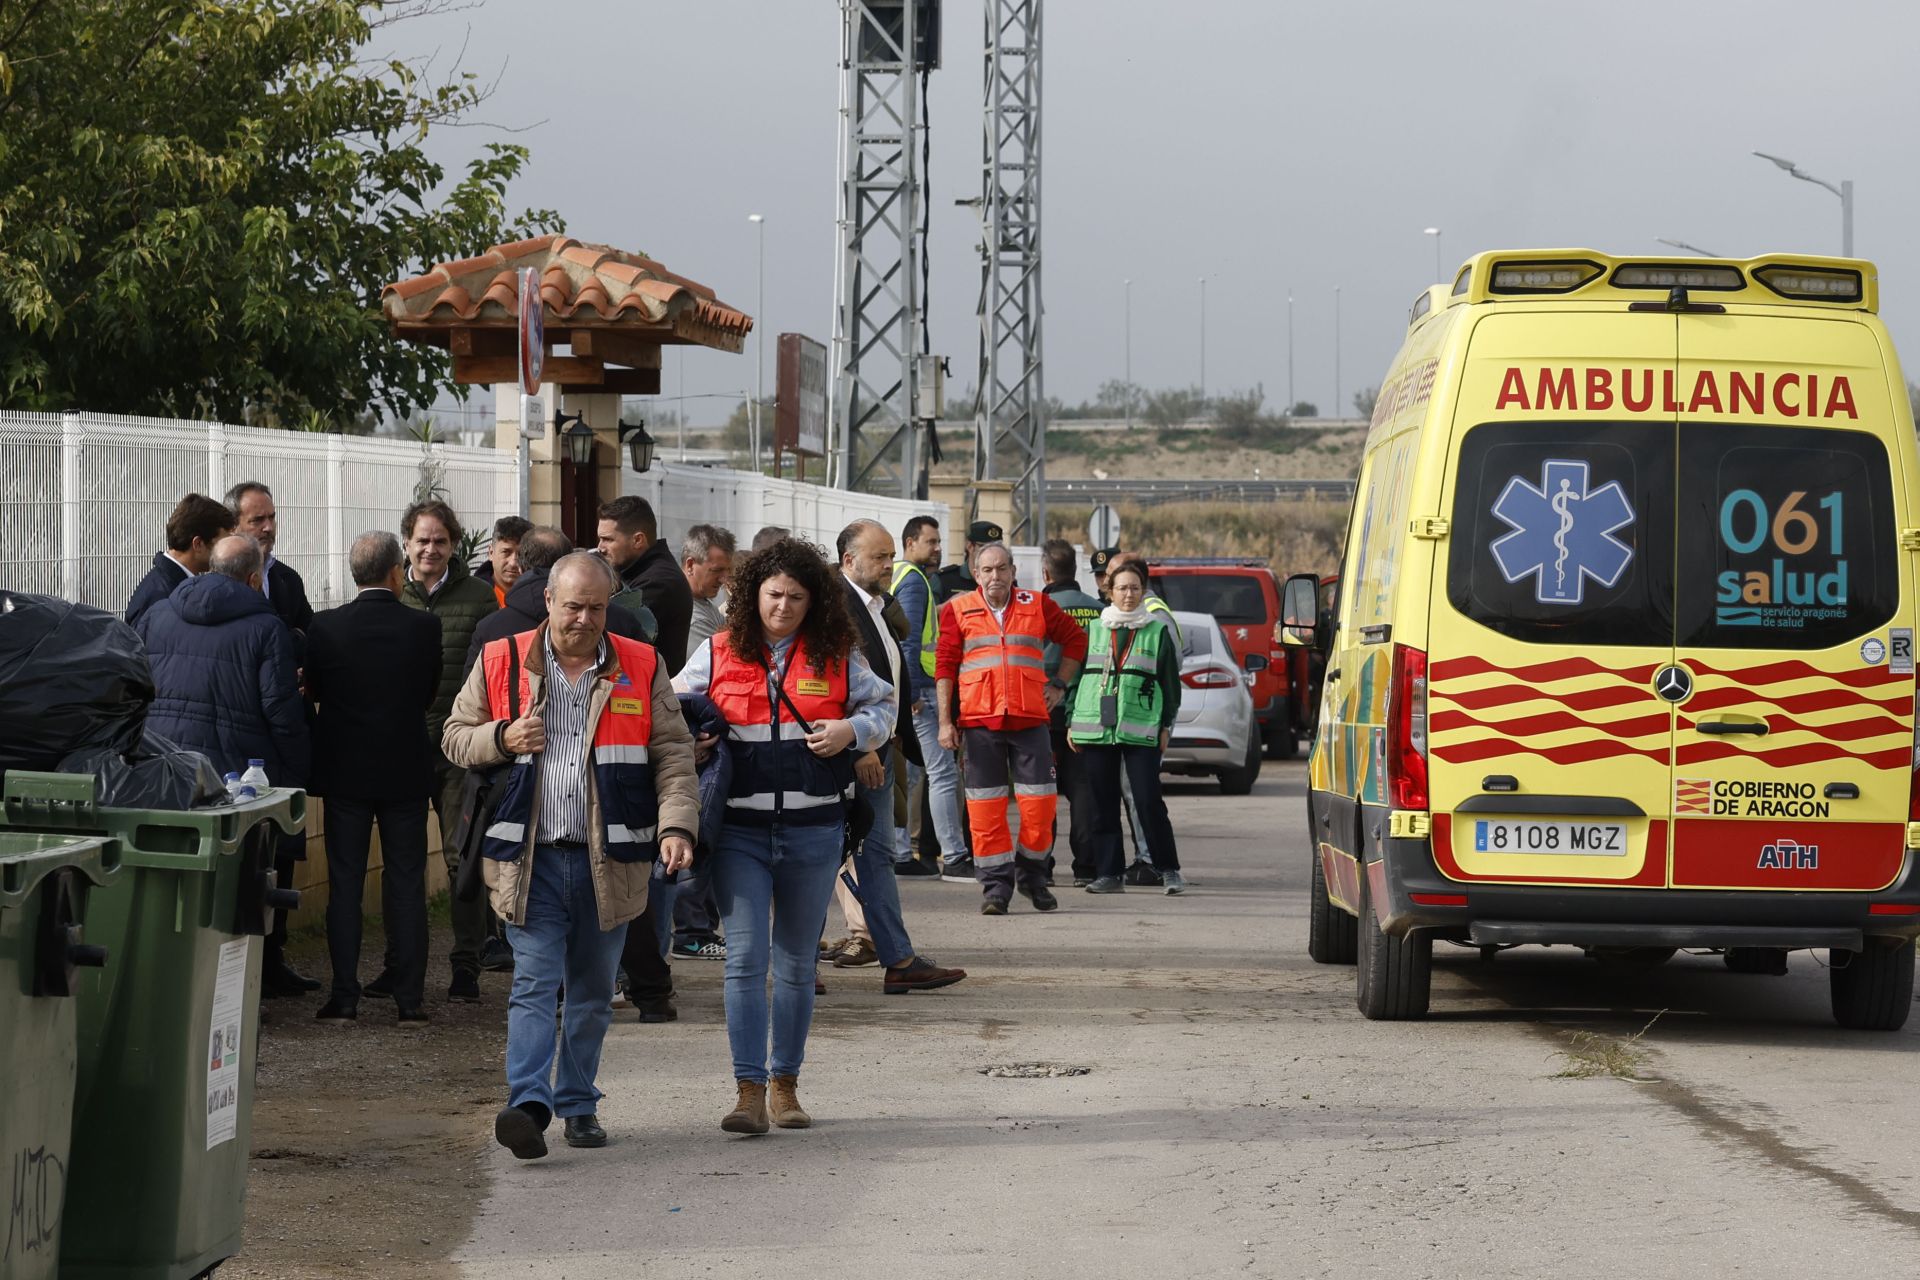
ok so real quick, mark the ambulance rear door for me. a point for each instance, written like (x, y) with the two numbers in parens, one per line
(1549, 748)
(1794, 608)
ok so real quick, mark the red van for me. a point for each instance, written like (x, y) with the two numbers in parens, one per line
(1242, 596)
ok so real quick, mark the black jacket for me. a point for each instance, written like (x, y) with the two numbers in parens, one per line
(663, 588)
(159, 583)
(875, 647)
(373, 667)
(527, 609)
(287, 593)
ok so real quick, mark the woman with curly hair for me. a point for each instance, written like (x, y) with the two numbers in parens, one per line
(801, 703)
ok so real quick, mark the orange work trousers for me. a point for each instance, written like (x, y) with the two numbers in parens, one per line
(1016, 764)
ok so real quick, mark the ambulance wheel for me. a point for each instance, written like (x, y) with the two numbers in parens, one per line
(1331, 933)
(1393, 977)
(1872, 989)
(1239, 782)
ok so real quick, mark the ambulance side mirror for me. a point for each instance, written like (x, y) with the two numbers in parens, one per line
(1300, 612)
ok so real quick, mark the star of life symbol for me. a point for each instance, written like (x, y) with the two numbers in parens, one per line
(1562, 532)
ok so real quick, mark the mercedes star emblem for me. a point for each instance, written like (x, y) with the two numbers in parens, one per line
(1673, 683)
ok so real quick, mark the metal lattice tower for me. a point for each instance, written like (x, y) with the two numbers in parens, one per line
(877, 281)
(1010, 429)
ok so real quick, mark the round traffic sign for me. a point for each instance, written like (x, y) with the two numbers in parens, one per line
(1103, 529)
(533, 331)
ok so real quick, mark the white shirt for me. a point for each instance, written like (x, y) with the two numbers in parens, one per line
(183, 568)
(876, 610)
(435, 588)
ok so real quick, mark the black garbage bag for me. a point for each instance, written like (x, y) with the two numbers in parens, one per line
(72, 677)
(159, 775)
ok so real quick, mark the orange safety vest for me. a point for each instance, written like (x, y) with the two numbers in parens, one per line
(1002, 673)
(622, 774)
(776, 777)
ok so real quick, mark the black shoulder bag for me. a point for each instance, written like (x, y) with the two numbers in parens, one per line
(859, 814)
(480, 796)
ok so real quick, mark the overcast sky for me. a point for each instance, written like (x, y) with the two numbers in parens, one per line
(1267, 145)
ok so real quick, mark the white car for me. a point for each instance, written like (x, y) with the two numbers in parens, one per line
(1215, 732)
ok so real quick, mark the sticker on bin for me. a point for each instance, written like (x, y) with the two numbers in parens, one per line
(223, 1043)
(1580, 839)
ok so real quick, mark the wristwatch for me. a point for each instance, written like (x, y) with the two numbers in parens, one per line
(1057, 683)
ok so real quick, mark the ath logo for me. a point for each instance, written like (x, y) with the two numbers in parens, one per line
(1562, 532)
(1789, 855)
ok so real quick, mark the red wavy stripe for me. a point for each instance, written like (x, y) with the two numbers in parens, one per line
(1573, 753)
(1560, 669)
(1815, 700)
(1781, 757)
(1556, 722)
(1793, 669)
(1579, 699)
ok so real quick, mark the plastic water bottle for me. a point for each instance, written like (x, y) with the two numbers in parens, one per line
(233, 788)
(255, 776)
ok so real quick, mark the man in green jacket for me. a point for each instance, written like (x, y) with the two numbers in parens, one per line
(438, 582)
(1058, 563)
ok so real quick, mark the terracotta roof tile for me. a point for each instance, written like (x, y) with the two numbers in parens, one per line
(581, 285)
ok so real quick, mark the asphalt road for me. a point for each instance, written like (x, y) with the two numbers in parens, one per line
(1237, 1115)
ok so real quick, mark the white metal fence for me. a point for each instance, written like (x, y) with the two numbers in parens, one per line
(683, 496)
(84, 497)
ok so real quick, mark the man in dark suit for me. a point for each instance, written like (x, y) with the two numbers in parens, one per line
(373, 668)
(866, 562)
(252, 505)
(196, 523)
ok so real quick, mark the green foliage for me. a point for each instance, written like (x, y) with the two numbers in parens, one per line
(1173, 405)
(201, 199)
(1364, 400)
(1295, 536)
(1304, 409)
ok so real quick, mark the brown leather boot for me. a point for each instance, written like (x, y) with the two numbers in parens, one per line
(749, 1114)
(785, 1104)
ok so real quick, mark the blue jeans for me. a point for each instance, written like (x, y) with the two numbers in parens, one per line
(561, 941)
(879, 891)
(943, 784)
(773, 884)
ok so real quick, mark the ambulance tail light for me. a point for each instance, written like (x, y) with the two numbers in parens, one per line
(1407, 730)
(1808, 284)
(1664, 276)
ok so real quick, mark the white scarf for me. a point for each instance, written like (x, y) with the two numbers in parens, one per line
(1114, 618)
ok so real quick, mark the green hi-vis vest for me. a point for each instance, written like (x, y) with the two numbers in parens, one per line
(930, 624)
(1136, 681)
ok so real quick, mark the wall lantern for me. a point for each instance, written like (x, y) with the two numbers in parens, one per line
(639, 444)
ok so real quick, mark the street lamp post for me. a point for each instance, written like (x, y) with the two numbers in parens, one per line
(1203, 344)
(1336, 351)
(1291, 399)
(759, 339)
(1437, 268)
(1129, 374)
(1844, 191)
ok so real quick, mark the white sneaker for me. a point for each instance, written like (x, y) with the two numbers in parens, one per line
(620, 1000)
(1173, 883)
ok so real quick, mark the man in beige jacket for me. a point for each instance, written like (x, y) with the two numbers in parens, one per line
(600, 787)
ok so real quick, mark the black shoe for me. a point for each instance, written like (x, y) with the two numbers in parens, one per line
(915, 867)
(1141, 873)
(496, 956)
(960, 872)
(657, 1010)
(993, 907)
(413, 1013)
(282, 980)
(1041, 897)
(1106, 884)
(465, 986)
(337, 1010)
(521, 1132)
(380, 986)
(585, 1131)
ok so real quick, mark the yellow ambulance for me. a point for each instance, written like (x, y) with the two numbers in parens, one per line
(1622, 655)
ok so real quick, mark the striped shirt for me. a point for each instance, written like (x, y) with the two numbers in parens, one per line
(563, 765)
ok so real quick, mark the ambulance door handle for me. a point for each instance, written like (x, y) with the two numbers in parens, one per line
(1841, 791)
(1725, 727)
(1333, 674)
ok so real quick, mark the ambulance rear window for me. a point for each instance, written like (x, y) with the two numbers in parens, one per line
(1562, 534)
(1788, 537)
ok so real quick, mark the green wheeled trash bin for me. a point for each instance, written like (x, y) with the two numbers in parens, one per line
(45, 884)
(168, 1032)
